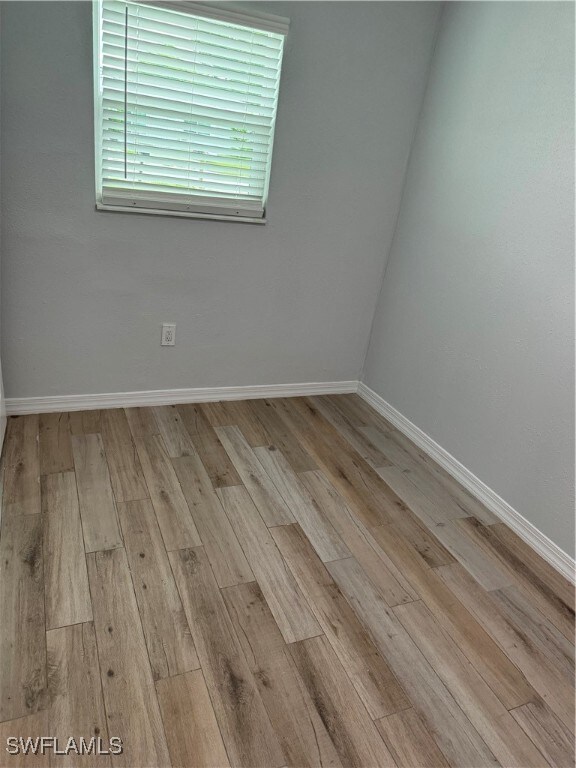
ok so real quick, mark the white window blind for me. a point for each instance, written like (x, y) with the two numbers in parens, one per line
(185, 108)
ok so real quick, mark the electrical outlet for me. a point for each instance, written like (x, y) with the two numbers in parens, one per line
(168, 334)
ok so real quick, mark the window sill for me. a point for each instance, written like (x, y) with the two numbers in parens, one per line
(179, 214)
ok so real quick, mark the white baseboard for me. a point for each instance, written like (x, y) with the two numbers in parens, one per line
(22, 405)
(546, 548)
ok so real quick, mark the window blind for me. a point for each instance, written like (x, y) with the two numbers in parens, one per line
(186, 107)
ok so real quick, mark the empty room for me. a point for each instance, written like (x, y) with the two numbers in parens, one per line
(287, 384)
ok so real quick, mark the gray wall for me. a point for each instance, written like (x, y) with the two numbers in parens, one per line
(2, 401)
(286, 302)
(473, 335)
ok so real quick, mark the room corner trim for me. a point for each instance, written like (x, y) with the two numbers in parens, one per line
(546, 548)
(23, 405)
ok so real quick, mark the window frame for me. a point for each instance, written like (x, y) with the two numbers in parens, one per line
(253, 19)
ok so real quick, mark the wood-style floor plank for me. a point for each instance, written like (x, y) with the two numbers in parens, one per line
(132, 709)
(455, 735)
(67, 595)
(237, 413)
(22, 626)
(244, 724)
(359, 413)
(76, 704)
(301, 732)
(220, 468)
(226, 556)
(287, 603)
(219, 414)
(97, 505)
(542, 633)
(216, 461)
(504, 737)
(472, 506)
(254, 430)
(490, 660)
(281, 437)
(553, 685)
(345, 426)
(431, 552)
(54, 443)
(430, 512)
(194, 418)
(366, 493)
(478, 562)
(192, 732)
(542, 570)
(419, 474)
(125, 471)
(31, 726)
(317, 527)
(85, 422)
(264, 493)
(410, 742)
(503, 557)
(554, 741)
(353, 733)
(381, 570)
(170, 646)
(1, 484)
(141, 422)
(175, 435)
(369, 673)
(21, 486)
(174, 518)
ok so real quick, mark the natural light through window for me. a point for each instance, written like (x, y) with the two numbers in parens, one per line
(185, 108)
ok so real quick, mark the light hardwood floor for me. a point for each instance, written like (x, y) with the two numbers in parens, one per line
(269, 583)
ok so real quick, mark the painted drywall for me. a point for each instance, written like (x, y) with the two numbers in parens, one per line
(2, 399)
(473, 334)
(291, 301)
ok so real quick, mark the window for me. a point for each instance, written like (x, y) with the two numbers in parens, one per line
(185, 108)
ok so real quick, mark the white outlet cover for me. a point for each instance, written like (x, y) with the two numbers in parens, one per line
(168, 335)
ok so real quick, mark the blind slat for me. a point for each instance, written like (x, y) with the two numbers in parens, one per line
(183, 194)
(187, 128)
(160, 69)
(198, 22)
(193, 64)
(177, 110)
(225, 67)
(198, 156)
(187, 108)
(140, 152)
(172, 169)
(151, 88)
(185, 145)
(140, 39)
(200, 34)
